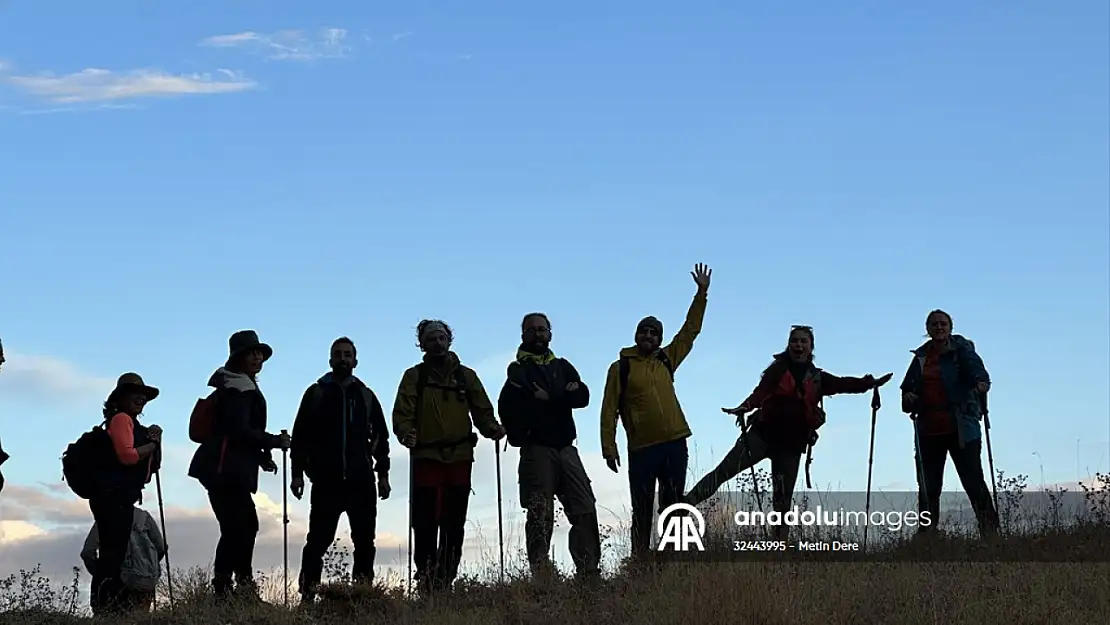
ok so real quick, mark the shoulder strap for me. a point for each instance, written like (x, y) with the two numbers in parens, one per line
(663, 358)
(421, 382)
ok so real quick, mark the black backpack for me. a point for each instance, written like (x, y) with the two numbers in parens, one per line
(84, 460)
(624, 367)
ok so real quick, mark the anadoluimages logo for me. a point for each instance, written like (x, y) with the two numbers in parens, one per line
(680, 531)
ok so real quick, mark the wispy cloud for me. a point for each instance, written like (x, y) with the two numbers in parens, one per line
(400, 36)
(51, 380)
(102, 85)
(291, 45)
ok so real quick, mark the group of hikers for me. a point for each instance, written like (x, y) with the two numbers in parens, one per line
(340, 442)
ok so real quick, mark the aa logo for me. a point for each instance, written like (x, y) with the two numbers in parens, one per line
(681, 530)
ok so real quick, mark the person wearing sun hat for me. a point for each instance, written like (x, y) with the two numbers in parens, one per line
(121, 481)
(227, 464)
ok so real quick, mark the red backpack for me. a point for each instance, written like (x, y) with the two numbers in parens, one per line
(202, 422)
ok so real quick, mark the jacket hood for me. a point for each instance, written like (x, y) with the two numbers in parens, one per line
(633, 352)
(955, 341)
(328, 378)
(223, 378)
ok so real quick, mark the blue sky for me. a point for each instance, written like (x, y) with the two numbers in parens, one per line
(174, 172)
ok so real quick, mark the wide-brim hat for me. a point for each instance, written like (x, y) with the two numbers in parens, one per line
(132, 382)
(246, 340)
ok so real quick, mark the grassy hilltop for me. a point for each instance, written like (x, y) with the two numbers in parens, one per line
(953, 580)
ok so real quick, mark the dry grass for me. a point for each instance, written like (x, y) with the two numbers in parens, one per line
(786, 590)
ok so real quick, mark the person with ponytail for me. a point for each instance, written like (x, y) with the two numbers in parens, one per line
(789, 411)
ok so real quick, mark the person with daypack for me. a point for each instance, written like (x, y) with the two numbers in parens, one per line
(340, 441)
(536, 406)
(437, 401)
(941, 392)
(639, 388)
(141, 566)
(120, 474)
(790, 410)
(237, 445)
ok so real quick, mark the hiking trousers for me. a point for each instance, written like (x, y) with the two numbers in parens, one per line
(544, 474)
(328, 501)
(238, 520)
(751, 449)
(968, 461)
(439, 500)
(113, 514)
(664, 466)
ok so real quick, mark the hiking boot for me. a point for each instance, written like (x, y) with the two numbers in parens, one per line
(222, 587)
(247, 590)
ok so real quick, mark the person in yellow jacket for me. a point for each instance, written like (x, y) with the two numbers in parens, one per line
(640, 389)
(432, 414)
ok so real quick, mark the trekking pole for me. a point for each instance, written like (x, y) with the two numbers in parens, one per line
(412, 481)
(755, 483)
(165, 539)
(500, 524)
(990, 454)
(285, 521)
(875, 405)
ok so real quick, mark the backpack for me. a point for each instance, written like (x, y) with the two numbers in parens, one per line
(141, 566)
(459, 389)
(625, 367)
(202, 421)
(84, 460)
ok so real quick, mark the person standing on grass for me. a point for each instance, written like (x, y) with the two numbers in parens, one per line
(536, 406)
(941, 392)
(790, 410)
(141, 566)
(227, 464)
(133, 459)
(340, 440)
(640, 389)
(437, 401)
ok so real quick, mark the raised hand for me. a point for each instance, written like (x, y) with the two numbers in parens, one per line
(702, 274)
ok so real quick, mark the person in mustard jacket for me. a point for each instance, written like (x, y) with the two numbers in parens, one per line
(437, 401)
(640, 389)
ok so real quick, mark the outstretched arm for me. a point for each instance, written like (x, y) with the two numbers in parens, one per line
(836, 385)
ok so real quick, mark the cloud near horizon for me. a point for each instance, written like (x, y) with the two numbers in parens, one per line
(287, 45)
(50, 380)
(104, 85)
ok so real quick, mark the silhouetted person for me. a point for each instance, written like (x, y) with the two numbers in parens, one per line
(648, 407)
(536, 407)
(790, 411)
(340, 440)
(227, 464)
(941, 392)
(436, 401)
(120, 482)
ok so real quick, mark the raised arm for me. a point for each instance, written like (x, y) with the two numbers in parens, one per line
(679, 347)
(609, 409)
(836, 385)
